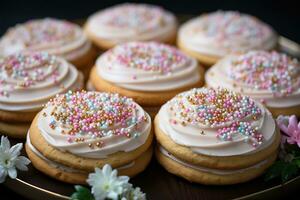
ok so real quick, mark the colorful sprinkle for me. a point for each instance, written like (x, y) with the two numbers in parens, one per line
(25, 70)
(224, 25)
(221, 109)
(129, 15)
(148, 56)
(272, 71)
(95, 115)
(43, 32)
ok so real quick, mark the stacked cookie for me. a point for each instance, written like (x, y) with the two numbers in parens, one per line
(150, 73)
(78, 131)
(215, 137)
(56, 37)
(211, 36)
(131, 22)
(28, 81)
(270, 77)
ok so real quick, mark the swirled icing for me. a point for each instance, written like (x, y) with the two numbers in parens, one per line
(93, 124)
(132, 22)
(148, 66)
(54, 36)
(217, 122)
(270, 77)
(223, 32)
(29, 80)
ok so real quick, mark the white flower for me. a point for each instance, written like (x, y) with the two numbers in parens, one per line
(10, 160)
(131, 193)
(106, 184)
(137, 194)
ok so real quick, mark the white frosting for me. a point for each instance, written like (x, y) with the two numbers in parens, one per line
(29, 80)
(207, 143)
(229, 75)
(54, 36)
(132, 22)
(223, 32)
(210, 170)
(148, 67)
(61, 166)
(139, 130)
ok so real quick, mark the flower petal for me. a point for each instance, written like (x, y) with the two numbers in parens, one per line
(138, 194)
(99, 194)
(112, 195)
(91, 179)
(123, 179)
(282, 119)
(106, 170)
(21, 163)
(95, 178)
(15, 150)
(3, 174)
(282, 122)
(5, 144)
(293, 121)
(113, 174)
(12, 172)
(290, 140)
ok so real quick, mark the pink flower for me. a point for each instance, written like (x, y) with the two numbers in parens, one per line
(290, 126)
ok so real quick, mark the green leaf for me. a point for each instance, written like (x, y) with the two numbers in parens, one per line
(297, 162)
(293, 149)
(275, 170)
(288, 171)
(82, 193)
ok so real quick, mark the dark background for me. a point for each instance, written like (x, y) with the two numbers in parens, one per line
(282, 15)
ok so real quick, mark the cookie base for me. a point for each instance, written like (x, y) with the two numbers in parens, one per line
(145, 99)
(105, 44)
(80, 177)
(15, 116)
(215, 162)
(85, 60)
(206, 60)
(14, 130)
(206, 178)
(294, 110)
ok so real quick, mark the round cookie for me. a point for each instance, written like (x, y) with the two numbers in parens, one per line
(212, 36)
(272, 78)
(28, 81)
(79, 131)
(131, 22)
(215, 136)
(150, 73)
(56, 37)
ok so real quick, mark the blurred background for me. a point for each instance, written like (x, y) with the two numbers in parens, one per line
(283, 15)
